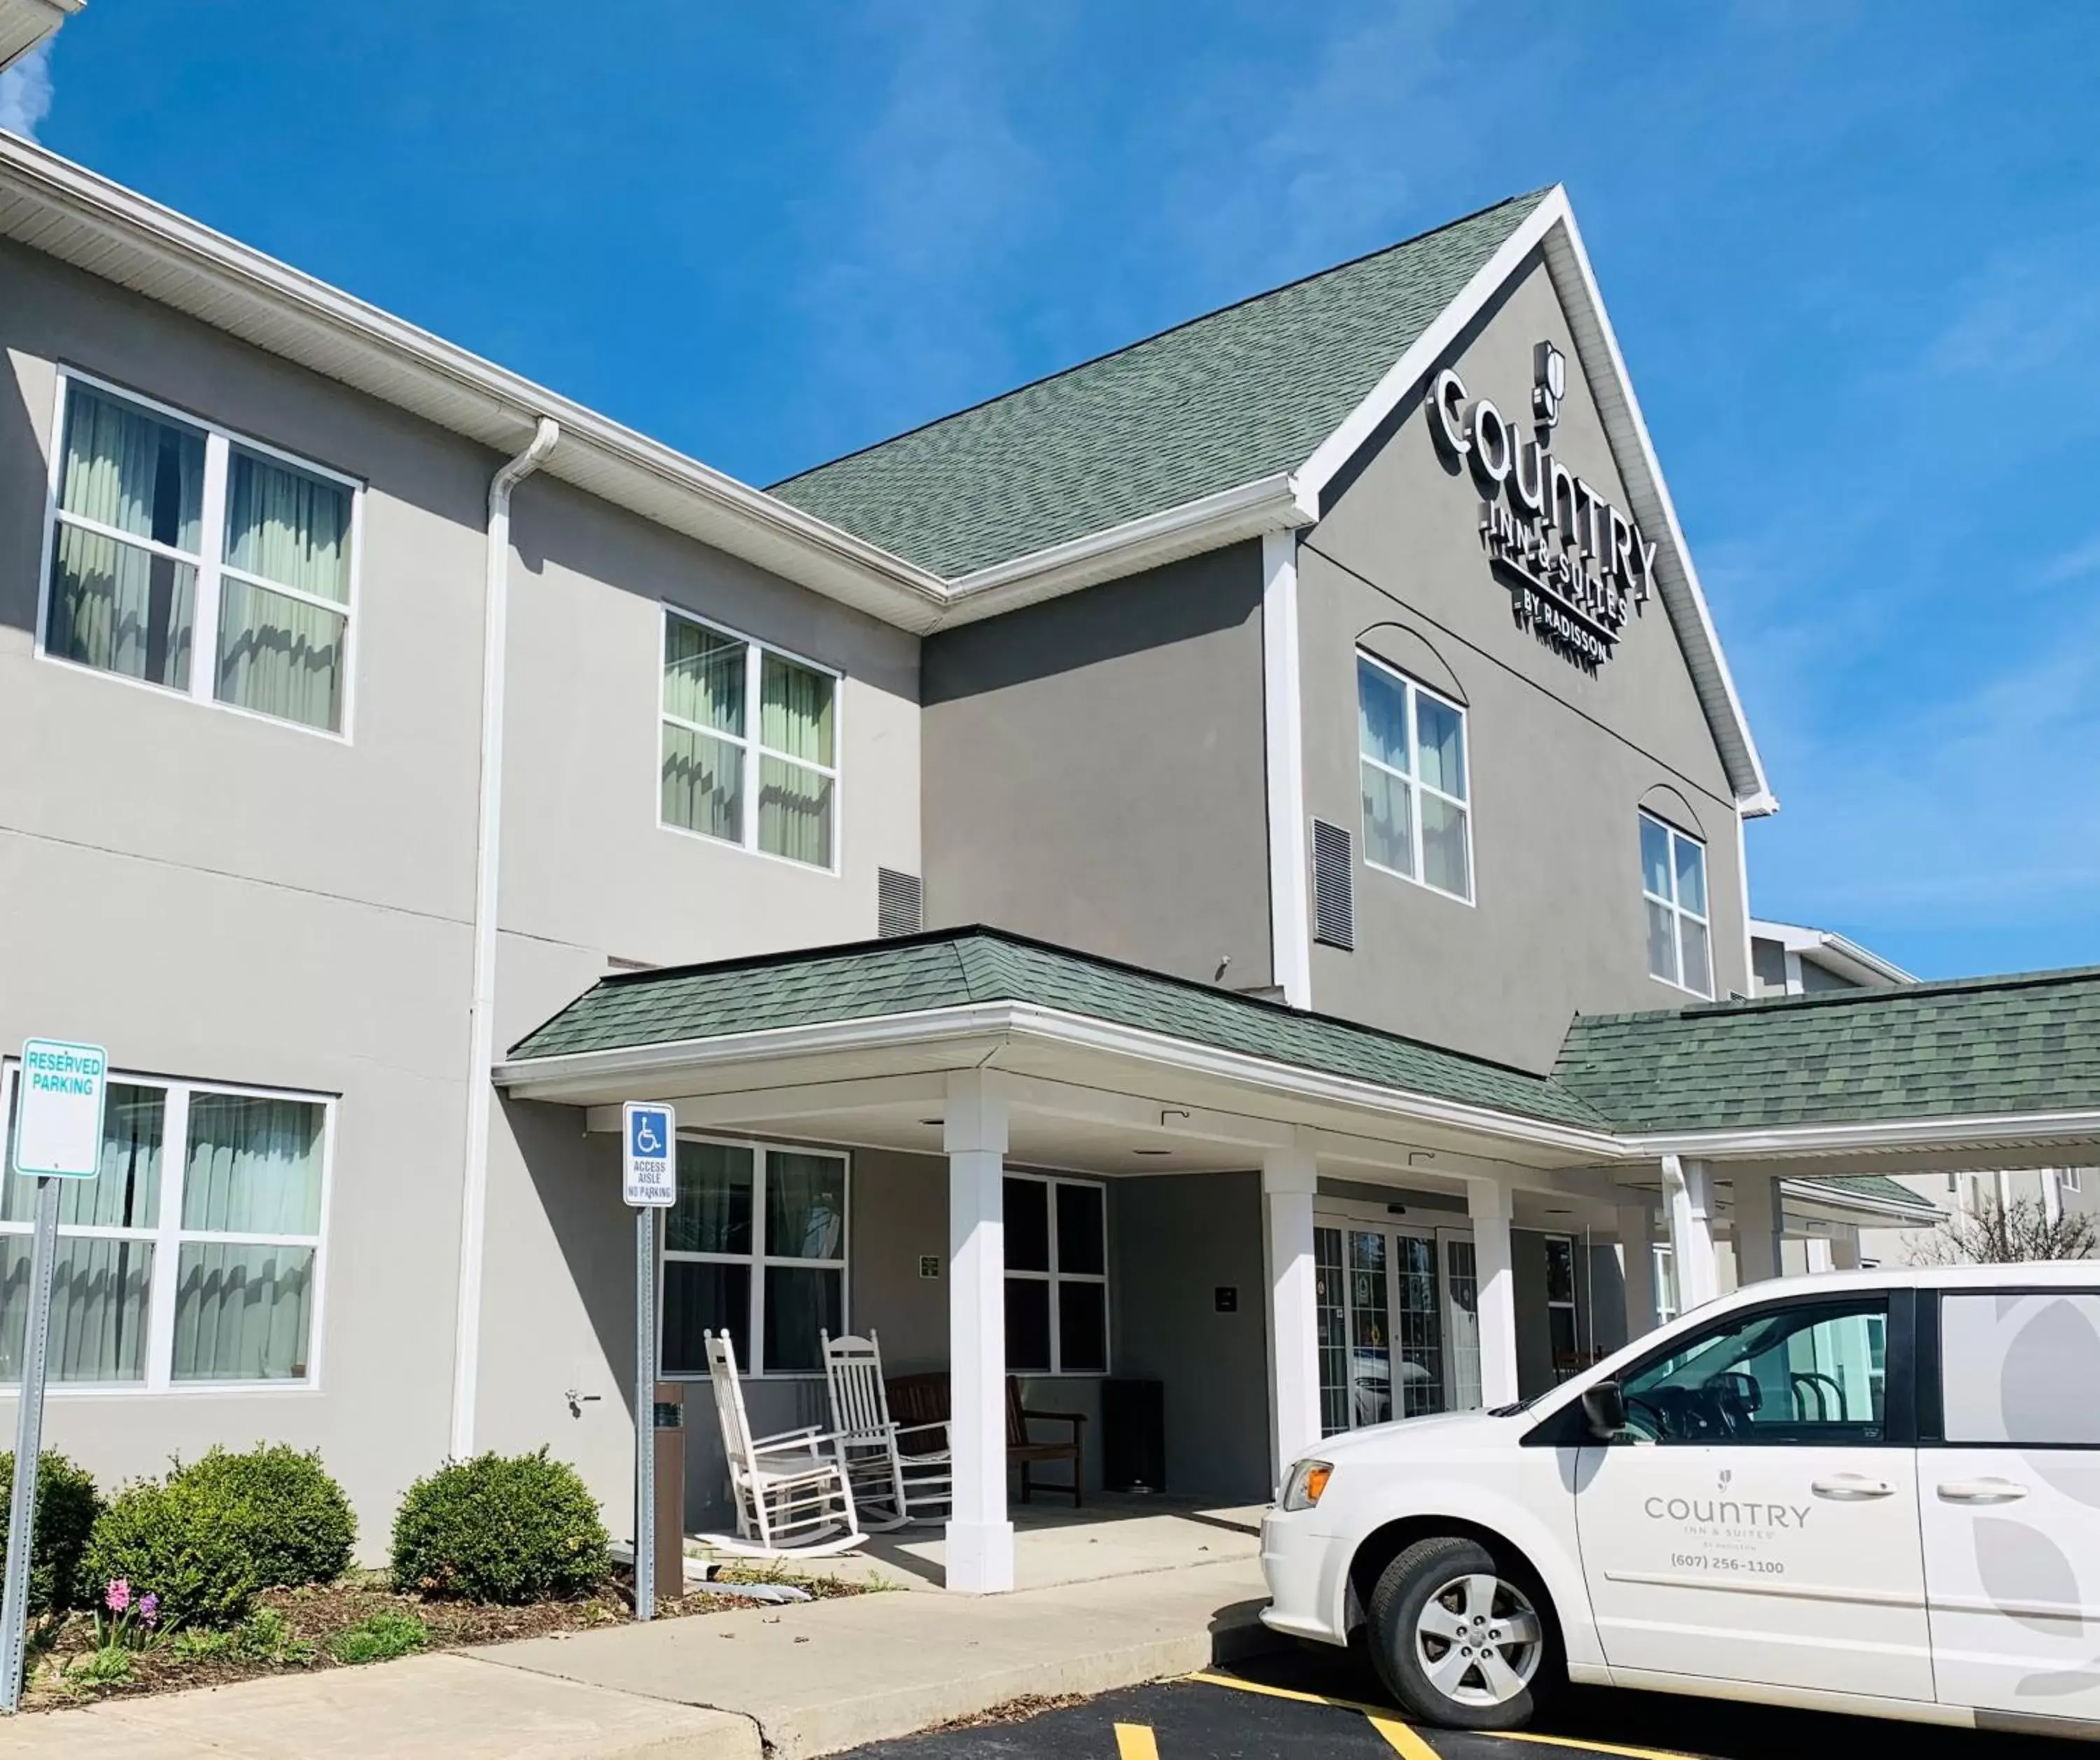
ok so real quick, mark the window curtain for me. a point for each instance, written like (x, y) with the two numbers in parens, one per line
(117, 605)
(712, 1214)
(99, 1296)
(278, 655)
(703, 676)
(805, 1206)
(795, 803)
(244, 1312)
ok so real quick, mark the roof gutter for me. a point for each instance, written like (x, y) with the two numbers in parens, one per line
(1980, 1130)
(488, 873)
(1275, 503)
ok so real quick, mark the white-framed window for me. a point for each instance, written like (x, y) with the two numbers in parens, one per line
(2071, 1178)
(1057, 1276)
(1412, 746)
(1563, 1334)
(1673, 889)
(182, 556)
(756, 1246)
(750, 743)
(193, 1259)
(1663, 1276)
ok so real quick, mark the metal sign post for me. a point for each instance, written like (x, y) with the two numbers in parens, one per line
(58, 1135)
(649, 1182)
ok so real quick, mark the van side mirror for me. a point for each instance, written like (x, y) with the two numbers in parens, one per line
(1604, 1407)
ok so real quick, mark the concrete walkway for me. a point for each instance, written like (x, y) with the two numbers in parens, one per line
(768, 1684)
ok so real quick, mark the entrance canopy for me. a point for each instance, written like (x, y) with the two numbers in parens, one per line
(991, 1051)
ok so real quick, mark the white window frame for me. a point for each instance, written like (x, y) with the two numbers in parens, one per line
(758, 1261)
(1411, 779)
(1662, 1276)
(1055, 1277)
(209, 562)
(1574, 1288)
(749, 742)
(167, 1236)
(1680, 914)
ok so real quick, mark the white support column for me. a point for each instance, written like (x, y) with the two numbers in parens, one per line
(1637, 1250)
(1289, 1178)
(1688, 1209)
(1290, 920)
(979, 1549)
(1488, 1203)
(1760, 1225)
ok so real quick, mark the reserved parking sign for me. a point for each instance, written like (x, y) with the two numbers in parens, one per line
(57, 1128)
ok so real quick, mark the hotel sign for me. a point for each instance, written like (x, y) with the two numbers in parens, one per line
(1574, 564)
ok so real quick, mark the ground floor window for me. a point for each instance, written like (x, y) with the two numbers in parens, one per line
(754, 1246)
(1057, 1276)
(1563, 1335)
(192, 1258)
(1397, 1323)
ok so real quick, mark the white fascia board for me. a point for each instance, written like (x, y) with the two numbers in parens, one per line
(67, 212)
(1837, 952)
(1270, 504)
(1978, 1132)
(24, 24)
(600, 1078)
(1551, 227)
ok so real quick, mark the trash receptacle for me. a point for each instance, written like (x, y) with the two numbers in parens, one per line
(1133, 1435)
(670, 1432)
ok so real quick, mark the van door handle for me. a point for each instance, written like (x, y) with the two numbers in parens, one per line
(1982, 1491)
(1851, 1488)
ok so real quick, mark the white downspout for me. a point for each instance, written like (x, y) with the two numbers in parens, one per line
(487, 868)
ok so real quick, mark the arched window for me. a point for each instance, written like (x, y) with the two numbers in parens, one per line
(1417, 813)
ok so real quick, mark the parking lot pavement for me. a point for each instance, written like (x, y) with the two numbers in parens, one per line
(1297, 1705)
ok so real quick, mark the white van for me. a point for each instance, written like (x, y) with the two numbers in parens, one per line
(1870, 1491)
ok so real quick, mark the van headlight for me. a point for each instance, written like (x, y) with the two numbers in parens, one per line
(1308, 1481)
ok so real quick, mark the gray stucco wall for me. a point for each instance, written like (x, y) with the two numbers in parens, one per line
(1768, 960)
(225, 899)
(1560, 761)
(1177, 1240)
(1094, 771)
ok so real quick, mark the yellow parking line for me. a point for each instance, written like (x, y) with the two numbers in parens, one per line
(1399, 1734)
(1400, 1738)
(1134, 1741)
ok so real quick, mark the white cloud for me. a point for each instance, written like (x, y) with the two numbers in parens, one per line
(25, 92)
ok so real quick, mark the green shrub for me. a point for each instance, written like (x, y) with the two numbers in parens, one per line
(66, 1504)
(380, 1638)
(296, 1520)
(511, 1528)
(211, 1533)
(265, 1635)
(109, 1666)
(166, 1536)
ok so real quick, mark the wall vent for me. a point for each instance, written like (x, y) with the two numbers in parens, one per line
(900, 907)
(1333, 879)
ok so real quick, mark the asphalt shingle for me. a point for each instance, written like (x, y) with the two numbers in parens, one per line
(1221, 401)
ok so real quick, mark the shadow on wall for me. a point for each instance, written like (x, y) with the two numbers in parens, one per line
(24, 472)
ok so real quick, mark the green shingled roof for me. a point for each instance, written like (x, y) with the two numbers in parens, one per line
(2025, 1043)
(951, 968)
(1878, 1186)
(1212, 404)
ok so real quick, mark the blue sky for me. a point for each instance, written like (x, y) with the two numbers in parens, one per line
(1852, 252)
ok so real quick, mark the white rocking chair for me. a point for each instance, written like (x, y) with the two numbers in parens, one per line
(793, 1494)
(891, 1487)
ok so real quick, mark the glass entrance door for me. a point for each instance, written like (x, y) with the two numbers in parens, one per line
(1382, 1324)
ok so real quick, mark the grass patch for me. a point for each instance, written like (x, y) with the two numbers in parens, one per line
(380, 1638)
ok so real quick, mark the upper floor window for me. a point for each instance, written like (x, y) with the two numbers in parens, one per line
(184, 556)
(1674, 886)
(750, 743)
(193, 1257)
(1412, 747)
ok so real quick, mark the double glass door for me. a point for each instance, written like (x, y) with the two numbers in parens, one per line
(1399, 1323)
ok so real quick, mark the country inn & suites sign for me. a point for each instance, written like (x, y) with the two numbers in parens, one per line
(1574, 563)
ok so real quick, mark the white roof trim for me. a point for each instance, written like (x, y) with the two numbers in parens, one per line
(1812, 1191)
(1550, 226)
(1835, 952)
(1977, 1131)
(24, 24)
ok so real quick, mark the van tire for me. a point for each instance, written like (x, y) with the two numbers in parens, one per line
(1434, 1568)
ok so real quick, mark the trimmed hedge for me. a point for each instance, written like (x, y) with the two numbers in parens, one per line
(210, 1534)
(67, 1506)
(509, 1529)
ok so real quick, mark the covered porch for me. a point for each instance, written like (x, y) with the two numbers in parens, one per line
(1081, 1173)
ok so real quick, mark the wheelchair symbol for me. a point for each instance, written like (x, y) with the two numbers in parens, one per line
(646, 1139)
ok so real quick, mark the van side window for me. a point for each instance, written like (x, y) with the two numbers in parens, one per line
(1809, 1373)
(2021, 1369)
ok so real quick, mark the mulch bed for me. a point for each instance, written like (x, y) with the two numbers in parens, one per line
(314, 1617)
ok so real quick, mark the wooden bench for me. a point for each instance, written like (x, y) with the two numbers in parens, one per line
(924, 1400)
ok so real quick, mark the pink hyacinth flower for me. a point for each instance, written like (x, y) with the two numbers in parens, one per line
(117, 1597)
(149, 1607)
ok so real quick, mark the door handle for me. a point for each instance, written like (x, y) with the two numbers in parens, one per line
(1982, 1491)
(1852, 1488)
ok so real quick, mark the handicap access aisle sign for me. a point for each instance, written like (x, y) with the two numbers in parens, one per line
(58, 1130)
(648, 1164)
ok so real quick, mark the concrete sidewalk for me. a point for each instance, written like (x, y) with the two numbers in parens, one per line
(791, 1682)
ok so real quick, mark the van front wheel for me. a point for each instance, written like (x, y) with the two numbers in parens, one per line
(1457, 1640)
